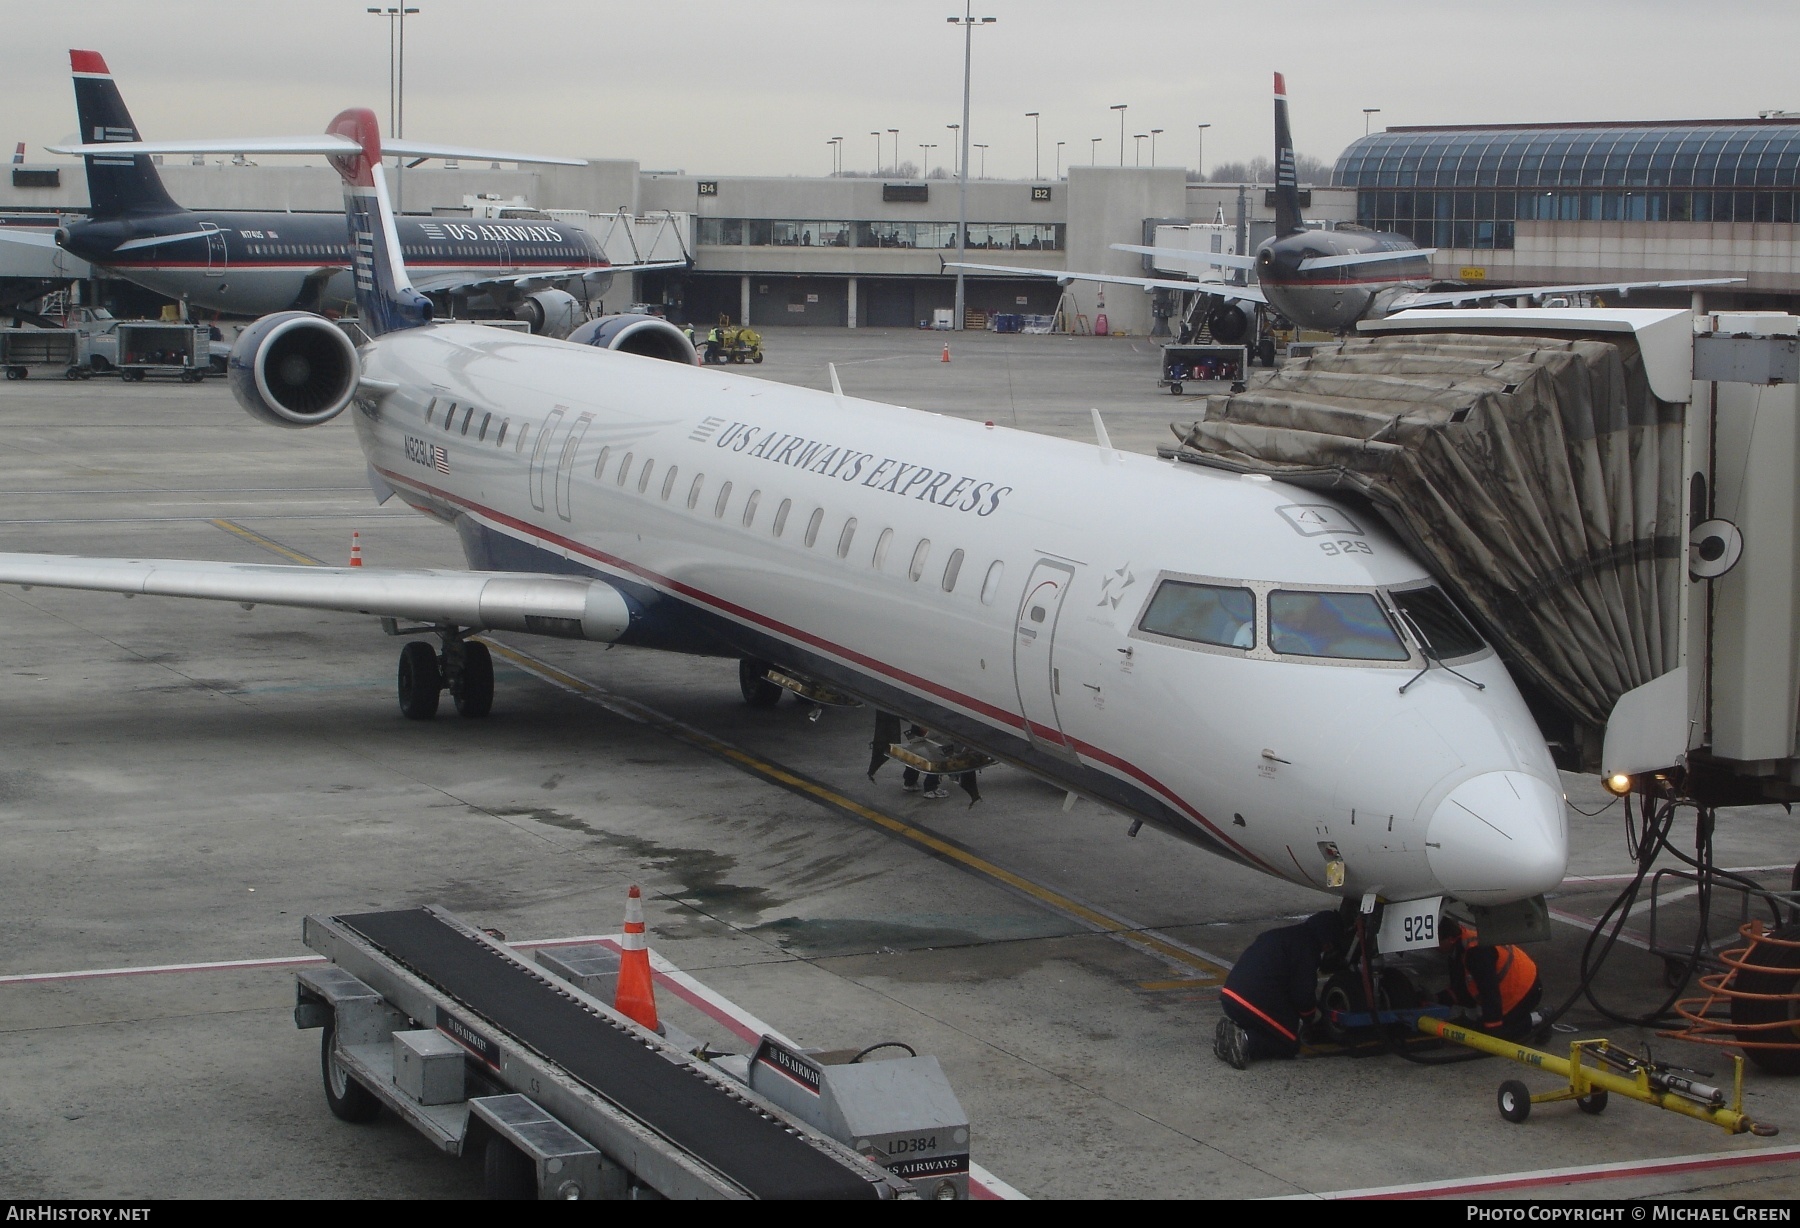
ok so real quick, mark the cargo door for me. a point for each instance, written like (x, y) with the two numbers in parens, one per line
(1035, 672)
(540, 455)
(565, 464)
(217, 255)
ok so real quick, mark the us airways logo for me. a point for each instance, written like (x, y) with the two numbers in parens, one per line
(944, 487)
(430, 455)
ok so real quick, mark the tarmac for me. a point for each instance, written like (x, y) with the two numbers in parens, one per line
(182, 782)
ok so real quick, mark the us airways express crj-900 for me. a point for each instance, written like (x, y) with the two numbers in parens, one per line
(1241, 683)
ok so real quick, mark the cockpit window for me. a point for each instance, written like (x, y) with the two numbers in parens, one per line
(1203, 613)
(1346, 626)
(1445, 631)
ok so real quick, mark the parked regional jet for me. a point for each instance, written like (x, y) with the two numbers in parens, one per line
(1244, 664)
(253, 263)
(1322, 279)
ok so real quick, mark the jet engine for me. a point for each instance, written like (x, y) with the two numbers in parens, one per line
(293, 369)
(551, 313)
(1228, 323)
(649, 336)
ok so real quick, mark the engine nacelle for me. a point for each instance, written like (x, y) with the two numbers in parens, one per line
(293, 369)
(551, 313)
(648, 336)
(1228, 323)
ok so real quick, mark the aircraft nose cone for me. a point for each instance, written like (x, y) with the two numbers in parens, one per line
(1498, 837)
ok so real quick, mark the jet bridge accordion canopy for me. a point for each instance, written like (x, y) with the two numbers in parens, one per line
(1538, 477)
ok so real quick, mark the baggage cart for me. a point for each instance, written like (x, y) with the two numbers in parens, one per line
(51, 349)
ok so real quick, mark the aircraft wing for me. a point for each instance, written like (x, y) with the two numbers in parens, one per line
(1244, 293)
(503, 600)
(30, 238)
(1450, 298)
(317, 143)
(431, 283)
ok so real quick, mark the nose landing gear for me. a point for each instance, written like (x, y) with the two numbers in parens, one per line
(464, 667)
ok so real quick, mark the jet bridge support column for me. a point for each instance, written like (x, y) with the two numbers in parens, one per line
(744, 300)
(850, 304)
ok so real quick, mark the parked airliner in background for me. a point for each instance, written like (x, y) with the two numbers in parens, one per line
(1260, 683)
(252, 263)
(1324, 280)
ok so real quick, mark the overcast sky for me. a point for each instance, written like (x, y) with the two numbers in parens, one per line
(757, 87)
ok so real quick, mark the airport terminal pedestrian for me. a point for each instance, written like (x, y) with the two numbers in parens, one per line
(1499, 983)
(1270, 995)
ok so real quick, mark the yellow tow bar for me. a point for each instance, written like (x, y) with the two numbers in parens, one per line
(1589, 1084)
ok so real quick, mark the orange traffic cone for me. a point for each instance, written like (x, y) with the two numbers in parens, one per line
(635, 996)
(355, 548)
(946, 357)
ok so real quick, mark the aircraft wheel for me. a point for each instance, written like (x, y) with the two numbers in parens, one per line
(474, 695)
(1514, 1101)
(420, 682)
(347, 1099)
(758, 691)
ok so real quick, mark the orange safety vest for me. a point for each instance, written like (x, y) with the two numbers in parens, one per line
(1515, 970)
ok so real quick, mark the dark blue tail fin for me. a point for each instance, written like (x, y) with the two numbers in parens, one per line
(116, 186)
(385, 297)
(1287, 183)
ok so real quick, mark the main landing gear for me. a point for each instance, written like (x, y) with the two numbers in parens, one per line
(464, 667)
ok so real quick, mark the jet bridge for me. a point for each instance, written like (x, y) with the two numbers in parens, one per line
(1613, 494)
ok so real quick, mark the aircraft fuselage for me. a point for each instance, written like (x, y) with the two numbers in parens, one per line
(1333, 299)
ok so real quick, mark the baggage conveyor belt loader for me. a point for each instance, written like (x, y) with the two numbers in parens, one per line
(566, 1098)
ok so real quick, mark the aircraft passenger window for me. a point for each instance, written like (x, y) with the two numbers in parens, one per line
(881, 548)
(624, 469)
(500, 439)
(524, 430)
(694, 491)
(920, 553)
(600, 463)
(990, 585)
(1439, 623)
(430, 407)
(644, 475)
(482, 433)
(750, 507)
(812, 526)
(450, 416)
(845, 537)
(468, 417)
(721, 501)
(781, 515)
(952, 569)
(1343, 626)
(669, 482)
(1221, 614)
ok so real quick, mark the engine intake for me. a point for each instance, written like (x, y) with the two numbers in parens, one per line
(293, 369)
(646, 336)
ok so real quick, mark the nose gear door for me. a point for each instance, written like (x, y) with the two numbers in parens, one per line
(1035, 673)
(541, 453)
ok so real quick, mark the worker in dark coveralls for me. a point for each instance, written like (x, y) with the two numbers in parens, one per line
(1271, 993)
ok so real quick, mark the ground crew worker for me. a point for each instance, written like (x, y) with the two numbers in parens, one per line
(1500, 983)
(1271, 993)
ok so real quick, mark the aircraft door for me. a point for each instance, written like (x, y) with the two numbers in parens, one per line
(565, 464)
(1035, 672)
(541, 453)
(217, 256)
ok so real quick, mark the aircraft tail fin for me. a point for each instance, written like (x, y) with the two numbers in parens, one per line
(19, 153)
(1287, 184)
(121, 185)
(385, 297)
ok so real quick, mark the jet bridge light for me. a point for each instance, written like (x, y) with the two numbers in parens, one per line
(1618, 784)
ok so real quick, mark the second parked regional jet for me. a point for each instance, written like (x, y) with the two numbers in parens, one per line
(1324, 280)
(1259, 683)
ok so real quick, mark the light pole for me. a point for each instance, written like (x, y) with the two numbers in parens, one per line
(396, 85)
(1137, 147)
(1200, 153)
(954, 129)
(877, 135)
(1094, 150)
(1059, 146)
(983, 172)
(968, 22)
(925, 157)
(1369, 113)
(1037, 146)
(837, 155)
(1154, 133)
(1121, 110)
(895, 133)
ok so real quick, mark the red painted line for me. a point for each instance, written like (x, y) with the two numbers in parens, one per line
(225, 965)
(967, 702)
(1569, 1176)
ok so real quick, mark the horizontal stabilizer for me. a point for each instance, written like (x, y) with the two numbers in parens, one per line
(318, 143)
(566, 606)
(1223, 260)
(1242, 293)
(30, 238)
(1355, 258)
